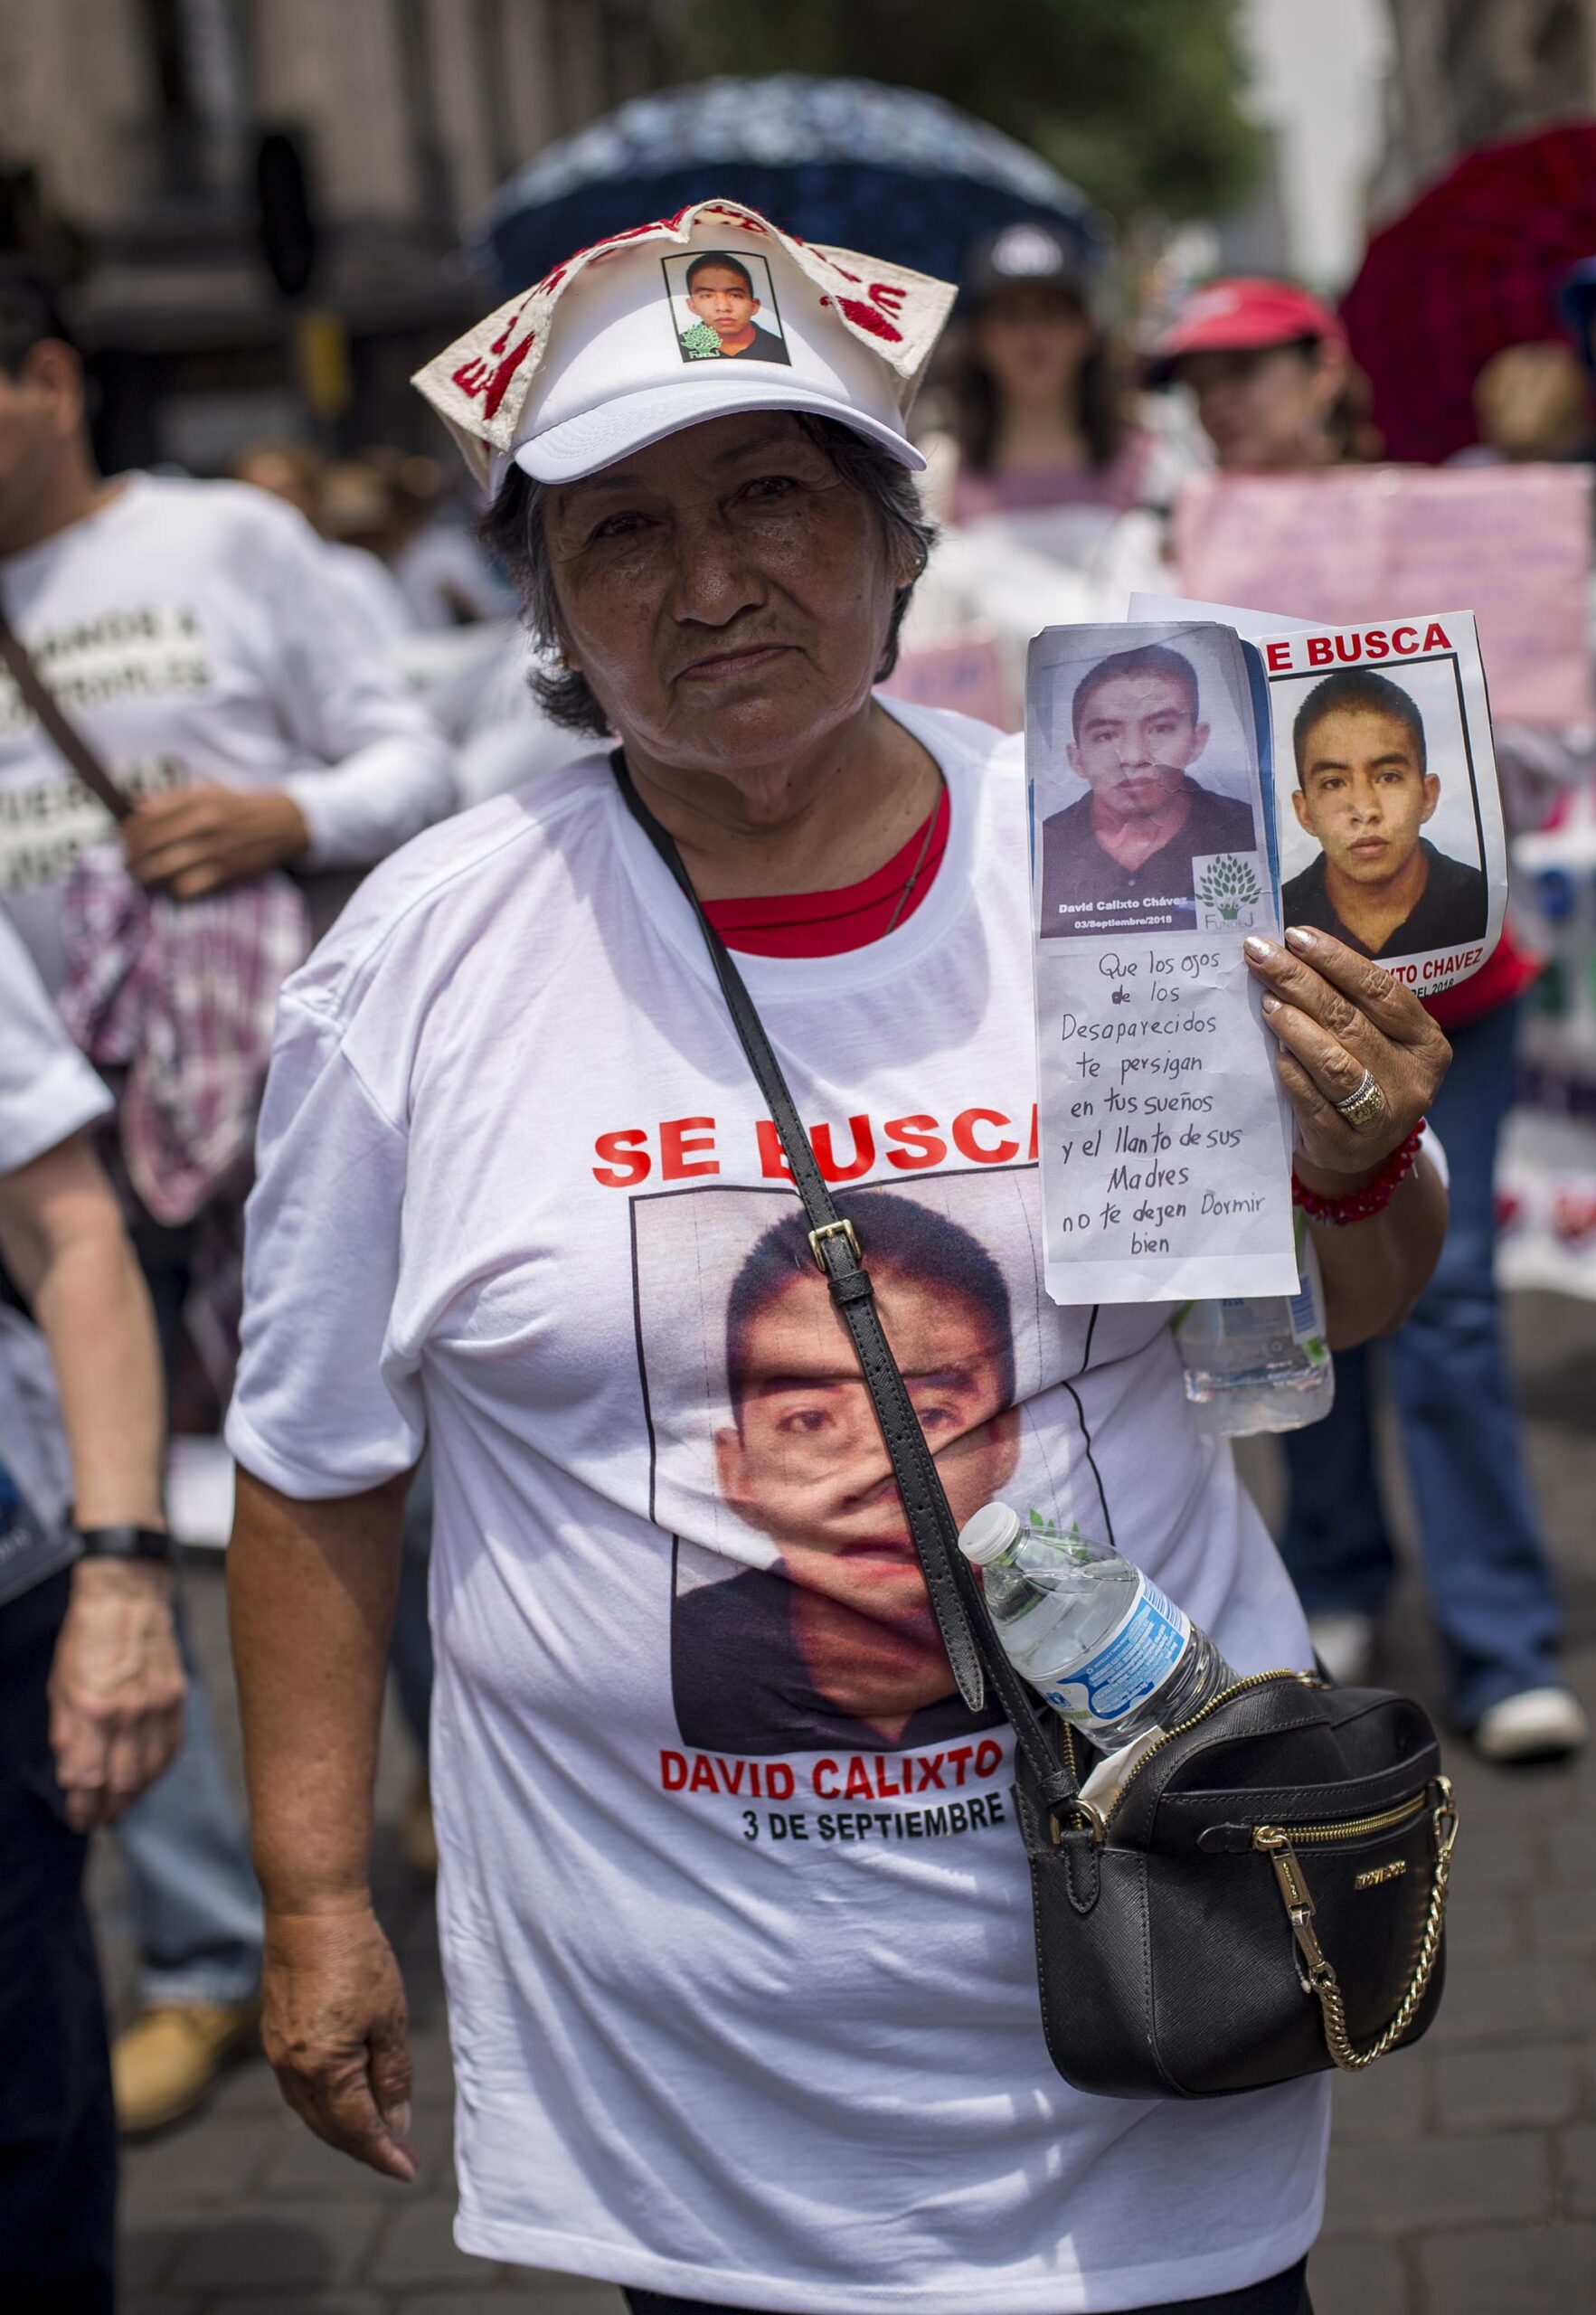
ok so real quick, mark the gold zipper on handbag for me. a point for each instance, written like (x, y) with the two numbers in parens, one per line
(1100, 1823)
(1298, 1835)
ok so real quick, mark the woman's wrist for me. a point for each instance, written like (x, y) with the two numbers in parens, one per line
(289, 1900)
(1348, 1198)
(128, 1579)
(1328, 1181)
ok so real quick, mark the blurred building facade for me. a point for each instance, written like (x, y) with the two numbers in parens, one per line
(1464, 72)
(130, 142)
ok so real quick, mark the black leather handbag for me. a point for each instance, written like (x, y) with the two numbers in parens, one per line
(1265, 1895)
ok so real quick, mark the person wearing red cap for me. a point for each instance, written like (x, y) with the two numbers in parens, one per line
(1277, 394)
(1269, 366)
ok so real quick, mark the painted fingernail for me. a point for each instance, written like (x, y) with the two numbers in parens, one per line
(1299, 936)
(1259, 948)
(1272, 1003)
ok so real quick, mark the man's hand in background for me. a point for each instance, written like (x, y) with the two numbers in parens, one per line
(191, 841)
(116, 1688)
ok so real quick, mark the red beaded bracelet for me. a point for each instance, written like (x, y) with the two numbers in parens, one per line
(1360, 1205)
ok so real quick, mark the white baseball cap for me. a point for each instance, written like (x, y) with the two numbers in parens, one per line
(699, 316)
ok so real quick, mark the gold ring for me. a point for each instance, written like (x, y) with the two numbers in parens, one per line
(1363, 1104)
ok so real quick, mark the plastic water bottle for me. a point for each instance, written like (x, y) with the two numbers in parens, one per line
(1260, 1361)
(1092, 1633)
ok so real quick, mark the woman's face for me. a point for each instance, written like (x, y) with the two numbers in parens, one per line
(1264, 408)
(1032, 340)
(725, 593)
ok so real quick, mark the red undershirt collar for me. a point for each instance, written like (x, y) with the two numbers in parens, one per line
(849, 916)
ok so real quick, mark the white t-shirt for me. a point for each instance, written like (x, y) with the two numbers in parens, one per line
(735, 1916)
(447, 578)
(200, 631)
(47, 1091)
(374, 592)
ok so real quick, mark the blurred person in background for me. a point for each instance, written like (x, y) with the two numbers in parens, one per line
(1532, 402)
(195, 634)
(445, 575)
(1040, 411)
(349, 506)
(1034, 457)
(90, 1683)
(1269, 367)
(290, 471)
(1276, 391)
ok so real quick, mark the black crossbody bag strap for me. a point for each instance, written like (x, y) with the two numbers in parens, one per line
(955, 1595)
(18, 662)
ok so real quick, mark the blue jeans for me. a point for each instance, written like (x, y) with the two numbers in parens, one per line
(1491, 1591)
(197, 1909)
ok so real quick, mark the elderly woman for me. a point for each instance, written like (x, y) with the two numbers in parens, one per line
(734, 1913)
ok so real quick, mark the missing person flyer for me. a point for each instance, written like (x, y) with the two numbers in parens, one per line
(1364, 756)
(1388, 814)
(1390, 823)
(1164, 1136)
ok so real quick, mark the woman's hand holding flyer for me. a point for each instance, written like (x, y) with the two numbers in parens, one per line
(1194, 794)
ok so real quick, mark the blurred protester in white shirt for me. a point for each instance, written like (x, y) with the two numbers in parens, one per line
(326, 497)
(195, 635)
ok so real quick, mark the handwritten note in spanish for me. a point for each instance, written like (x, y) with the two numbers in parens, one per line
(1163, 1134)
(1165, 1163)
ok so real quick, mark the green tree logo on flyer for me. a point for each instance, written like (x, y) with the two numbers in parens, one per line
(700, 342)
(1229, 891)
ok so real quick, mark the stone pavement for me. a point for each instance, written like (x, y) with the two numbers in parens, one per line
(1463, 2178)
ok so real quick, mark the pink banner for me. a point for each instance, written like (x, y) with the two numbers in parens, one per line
(1510, 543)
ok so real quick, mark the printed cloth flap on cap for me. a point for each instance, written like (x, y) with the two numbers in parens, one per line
(479, 384)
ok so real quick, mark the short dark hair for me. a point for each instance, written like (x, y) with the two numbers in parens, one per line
(28, 316)
(1358, 688)
(512, 530)
(1146, 660)
(719, 257)
(898, 1234)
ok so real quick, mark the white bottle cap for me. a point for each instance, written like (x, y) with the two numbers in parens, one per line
(989, 1534)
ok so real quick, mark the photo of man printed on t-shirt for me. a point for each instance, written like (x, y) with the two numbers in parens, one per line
(723, 307)
(828, 1638)
(1368, 787)
(1119, 858)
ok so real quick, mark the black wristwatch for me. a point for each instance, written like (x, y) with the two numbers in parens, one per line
(128, 1542)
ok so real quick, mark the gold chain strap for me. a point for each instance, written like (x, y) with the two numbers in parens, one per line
(1321, 1973)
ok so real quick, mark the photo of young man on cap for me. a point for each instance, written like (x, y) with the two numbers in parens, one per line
(1363, 791)
(1120, 857)
(724, 303)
